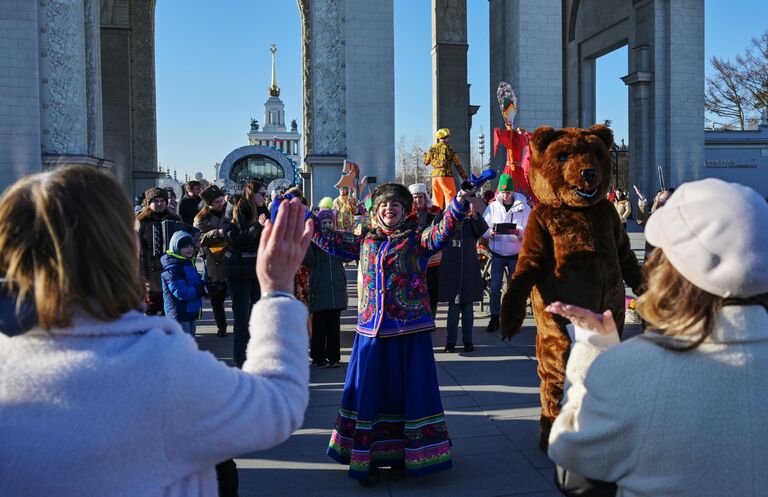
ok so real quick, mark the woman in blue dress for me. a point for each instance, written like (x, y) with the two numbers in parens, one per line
(391, 414)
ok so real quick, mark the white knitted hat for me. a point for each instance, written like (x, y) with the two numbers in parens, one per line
(716, 235)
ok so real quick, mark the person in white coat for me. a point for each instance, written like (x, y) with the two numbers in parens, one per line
(98, 399)
(509, 207)
(678, 410)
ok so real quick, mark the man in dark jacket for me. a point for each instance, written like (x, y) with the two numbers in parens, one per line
(460, 279)
(190, 204)
(149, 228)
(213, 240)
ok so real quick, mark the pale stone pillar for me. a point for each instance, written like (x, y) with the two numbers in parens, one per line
(116, 90)
(95, 127)
(679, 89)
(143, 98)
(370, 87)
(323, 58)
(20, 130)
(64, 116)
(639, 81)
(526, 39)
(450, 91)
(348, 59)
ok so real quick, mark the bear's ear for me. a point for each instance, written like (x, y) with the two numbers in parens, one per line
(603, 132)
(542, 137)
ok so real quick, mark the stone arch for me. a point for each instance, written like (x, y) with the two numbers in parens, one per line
(666, 86)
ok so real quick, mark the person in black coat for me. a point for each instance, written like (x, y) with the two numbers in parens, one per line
(190, 205)
(244, 233)
(460, 279)
(327, 298)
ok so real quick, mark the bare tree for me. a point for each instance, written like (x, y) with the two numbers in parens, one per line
(753, 66)
(410, 162)
(726, 95)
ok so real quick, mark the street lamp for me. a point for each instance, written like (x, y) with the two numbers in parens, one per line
(481, 148)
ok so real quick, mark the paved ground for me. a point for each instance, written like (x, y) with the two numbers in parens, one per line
(491, 399)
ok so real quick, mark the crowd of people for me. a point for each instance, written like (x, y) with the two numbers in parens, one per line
(86, 311)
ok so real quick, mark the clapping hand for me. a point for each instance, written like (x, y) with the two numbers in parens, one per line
(283, 246)
(584, 318)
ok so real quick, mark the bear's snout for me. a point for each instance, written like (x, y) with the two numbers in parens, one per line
(589, 175)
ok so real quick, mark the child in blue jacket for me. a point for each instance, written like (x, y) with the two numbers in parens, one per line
(182, 285)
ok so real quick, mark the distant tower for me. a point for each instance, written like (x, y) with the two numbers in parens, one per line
(274, 132)
(274, 110)
(274, 90)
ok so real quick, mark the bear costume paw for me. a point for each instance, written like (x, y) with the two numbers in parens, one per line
(512, 316)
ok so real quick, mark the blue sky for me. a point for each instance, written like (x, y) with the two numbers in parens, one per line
(213, 70)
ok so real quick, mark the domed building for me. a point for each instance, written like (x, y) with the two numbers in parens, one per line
(272, 155)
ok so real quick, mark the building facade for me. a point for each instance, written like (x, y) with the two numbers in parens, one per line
(739, 156)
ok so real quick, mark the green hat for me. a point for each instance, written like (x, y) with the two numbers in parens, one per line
(506, 184)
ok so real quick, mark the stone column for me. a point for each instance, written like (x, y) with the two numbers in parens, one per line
(323, 57)
(526, 42)
(116, 90)
(143, 99)
(640, 150)
(370, 87)
(683, 90)
(93, 92)
(19, 91)
(450, 91)
(64, 116)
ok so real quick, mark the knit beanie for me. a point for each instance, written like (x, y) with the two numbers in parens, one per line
(326, 203)
(392, 192)
(506, 183)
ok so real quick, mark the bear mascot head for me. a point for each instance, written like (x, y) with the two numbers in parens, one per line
(570, 167)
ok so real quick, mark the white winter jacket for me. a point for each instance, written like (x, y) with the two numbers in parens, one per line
(496, 213)
(663, 423)
(133, 408)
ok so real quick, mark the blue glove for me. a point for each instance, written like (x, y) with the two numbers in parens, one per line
(276, 206)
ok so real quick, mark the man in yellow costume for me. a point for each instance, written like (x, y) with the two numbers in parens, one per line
(442, 158)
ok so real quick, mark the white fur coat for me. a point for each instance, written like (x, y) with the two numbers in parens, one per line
(133, 408)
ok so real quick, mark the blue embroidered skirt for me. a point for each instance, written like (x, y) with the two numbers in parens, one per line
(391, 413)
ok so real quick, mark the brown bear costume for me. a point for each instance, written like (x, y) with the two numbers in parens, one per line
(574, 250)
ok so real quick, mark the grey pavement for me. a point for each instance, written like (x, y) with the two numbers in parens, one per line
(491, 401)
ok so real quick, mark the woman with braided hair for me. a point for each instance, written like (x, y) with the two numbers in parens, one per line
(391, 414)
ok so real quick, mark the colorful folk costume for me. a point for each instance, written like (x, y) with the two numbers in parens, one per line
(515, 141)
(391, 413)
(442, 158)
(346, 209)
